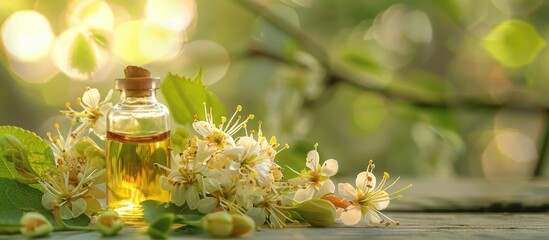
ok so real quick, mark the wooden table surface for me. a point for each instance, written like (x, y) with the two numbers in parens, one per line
(461, 226)
(443, 209)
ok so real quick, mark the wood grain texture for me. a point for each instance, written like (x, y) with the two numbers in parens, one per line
(413, 226)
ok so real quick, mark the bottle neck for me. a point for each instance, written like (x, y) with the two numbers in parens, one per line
(137, 97)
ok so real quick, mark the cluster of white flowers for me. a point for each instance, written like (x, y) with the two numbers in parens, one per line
(225, 167)
(80, 162)
(220, 170)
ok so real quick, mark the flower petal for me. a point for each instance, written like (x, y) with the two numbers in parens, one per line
(91, 98)
(164, 184)
(178, 195)
(365, 181)
(47, 199)
(192, 197)
(207, 204)
(100, 128)
(65, 212)
(373, 217)
(304, 194)
(329, 168)
(108, 97)
(78, 207)
(351, 215)
(339, 211)
(381, 200)
(327, 187)
(312, 160)
(347, 191)
(93, 205)
(258, 215)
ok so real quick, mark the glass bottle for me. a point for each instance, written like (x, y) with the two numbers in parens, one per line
(138, 131)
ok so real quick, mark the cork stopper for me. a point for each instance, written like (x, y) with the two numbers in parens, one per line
(137, 82)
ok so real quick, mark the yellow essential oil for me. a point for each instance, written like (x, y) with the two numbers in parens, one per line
(132, 175)
(138, 136)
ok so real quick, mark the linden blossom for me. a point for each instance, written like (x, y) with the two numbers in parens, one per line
(316, 178)
(367, 199)
(79, 163)
(93, 115)
(218, 169)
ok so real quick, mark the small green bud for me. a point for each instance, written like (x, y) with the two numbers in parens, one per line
(109, 223)
(35, 225)
(218, 224)
(317, 212)
(243, 225)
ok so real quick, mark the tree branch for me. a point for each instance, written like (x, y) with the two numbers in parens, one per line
(338, 73)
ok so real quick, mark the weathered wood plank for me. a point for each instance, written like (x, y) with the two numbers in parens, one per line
(413, 226)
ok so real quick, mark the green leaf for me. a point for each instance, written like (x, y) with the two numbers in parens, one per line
(514, 43)
(25, 149)
(17, 198)
(161, 226)
(179, 139)
(185, 97)
(82, 55)
(14, 151)
(152, 209)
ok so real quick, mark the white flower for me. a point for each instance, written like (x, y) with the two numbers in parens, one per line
(93, 116)
(182, 183)
(79, 163)
(316, 178)
(220, 136)
(367, 199)
(270, 207)
(59, 192)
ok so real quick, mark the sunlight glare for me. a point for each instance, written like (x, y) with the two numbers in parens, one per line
(27, 35)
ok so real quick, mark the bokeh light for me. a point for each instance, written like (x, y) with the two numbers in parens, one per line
(516, 145)
(509, 154)
(208, 55)
(63, 48)
(27, 35)
(140, 42)
(93, 14)
(43, 69)
(369, 111)
(175, 15)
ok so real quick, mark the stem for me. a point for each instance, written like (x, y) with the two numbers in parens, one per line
(196, 223)
(57, 216)
(62, 226)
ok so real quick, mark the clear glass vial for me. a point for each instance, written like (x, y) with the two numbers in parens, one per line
(138, 136)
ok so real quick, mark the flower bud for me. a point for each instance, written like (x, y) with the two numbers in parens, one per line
(109, 223)
(218, 224)
(35, 225)
(317, 212)
(242, 225)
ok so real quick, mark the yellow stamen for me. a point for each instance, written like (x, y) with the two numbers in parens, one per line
(273, 140)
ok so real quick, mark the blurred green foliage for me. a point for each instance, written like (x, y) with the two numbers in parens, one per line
(426, 88)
